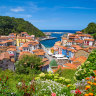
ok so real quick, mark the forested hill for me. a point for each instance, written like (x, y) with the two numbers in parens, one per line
(90, 29)
(17, 25)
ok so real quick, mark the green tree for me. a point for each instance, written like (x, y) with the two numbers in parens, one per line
(28, 63)
(53, 63)
(90, 29)
(17, 25)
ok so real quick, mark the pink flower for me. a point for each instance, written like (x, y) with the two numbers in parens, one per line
(53, 94)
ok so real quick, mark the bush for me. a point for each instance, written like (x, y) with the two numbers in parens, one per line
(86, 69)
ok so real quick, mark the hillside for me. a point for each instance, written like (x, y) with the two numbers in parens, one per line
(17, 25)
(90, 29)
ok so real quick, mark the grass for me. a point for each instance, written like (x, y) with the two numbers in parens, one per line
(67, 73)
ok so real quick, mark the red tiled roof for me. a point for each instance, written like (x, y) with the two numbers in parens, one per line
(25, 45)
(63, 38)
(4, 55)
(70, 65)
(79, 32)
(11, 49)
(44, 59)
(69, 41)
(63, 47)
(85, 35)
(80, 59)
(72, 50)
(24, 53)
(88, 39)
(79, 41)
(11, 46)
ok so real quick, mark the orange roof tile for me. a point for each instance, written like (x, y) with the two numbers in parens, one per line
(11, 46)
(46, 63)
(80, 59)
(11, 49)
(72, 50)
(38, 50)
(72, 58)
(20, 48)
(40, 53)
(4, 55)
(70, 65)
(63, 47)
(24, 53)
(88, 39)
(79, 32)
(79, 41)
(25, 45)
(69, 41)
(85, 35)
(52, 48)
(63, 38)
(44, 59)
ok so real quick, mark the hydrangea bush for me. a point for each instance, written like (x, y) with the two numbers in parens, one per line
(54, 77)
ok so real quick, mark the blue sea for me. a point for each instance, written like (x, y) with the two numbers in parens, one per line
(50, 43)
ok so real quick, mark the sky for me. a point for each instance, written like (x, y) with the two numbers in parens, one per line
(52, 14)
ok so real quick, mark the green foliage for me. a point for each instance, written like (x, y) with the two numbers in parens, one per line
(28, 64)
(53, 63)
(86, 69)
(53, 77)
(21, 84)
(67, 73)
(91, 29)
(17, 25)
(13, 79)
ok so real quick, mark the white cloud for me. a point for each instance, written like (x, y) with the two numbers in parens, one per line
(18, 9)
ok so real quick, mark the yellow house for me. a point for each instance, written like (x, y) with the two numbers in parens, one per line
(22, 40)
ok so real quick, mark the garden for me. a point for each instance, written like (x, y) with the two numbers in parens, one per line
(33, 82)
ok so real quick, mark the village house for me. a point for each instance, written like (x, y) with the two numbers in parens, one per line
(12, 53)
(23, 38)
(12, 35)
(78, 42)
(4, 38)
(19, 40)
(88, 42)
(69, 43)
(39, 52)
(7, 43)
(29, 46)
(70, 53)
(64, 41)
(45, 65)
(6, 62)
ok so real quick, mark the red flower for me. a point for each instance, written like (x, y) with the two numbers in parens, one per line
(7, 77)
(78, 91)
(33, 89)
(93, 76)
(0, 79)
(53, 94)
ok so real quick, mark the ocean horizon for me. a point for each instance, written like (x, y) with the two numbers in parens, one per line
(72, 31)
(50, 43)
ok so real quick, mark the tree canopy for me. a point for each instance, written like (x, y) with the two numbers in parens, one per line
(17, 25)
(28, 63)
(90, 29)
(53, 63)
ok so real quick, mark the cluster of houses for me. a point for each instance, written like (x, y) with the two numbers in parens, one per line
(12, 47)
(70, 52)
(74, 49)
